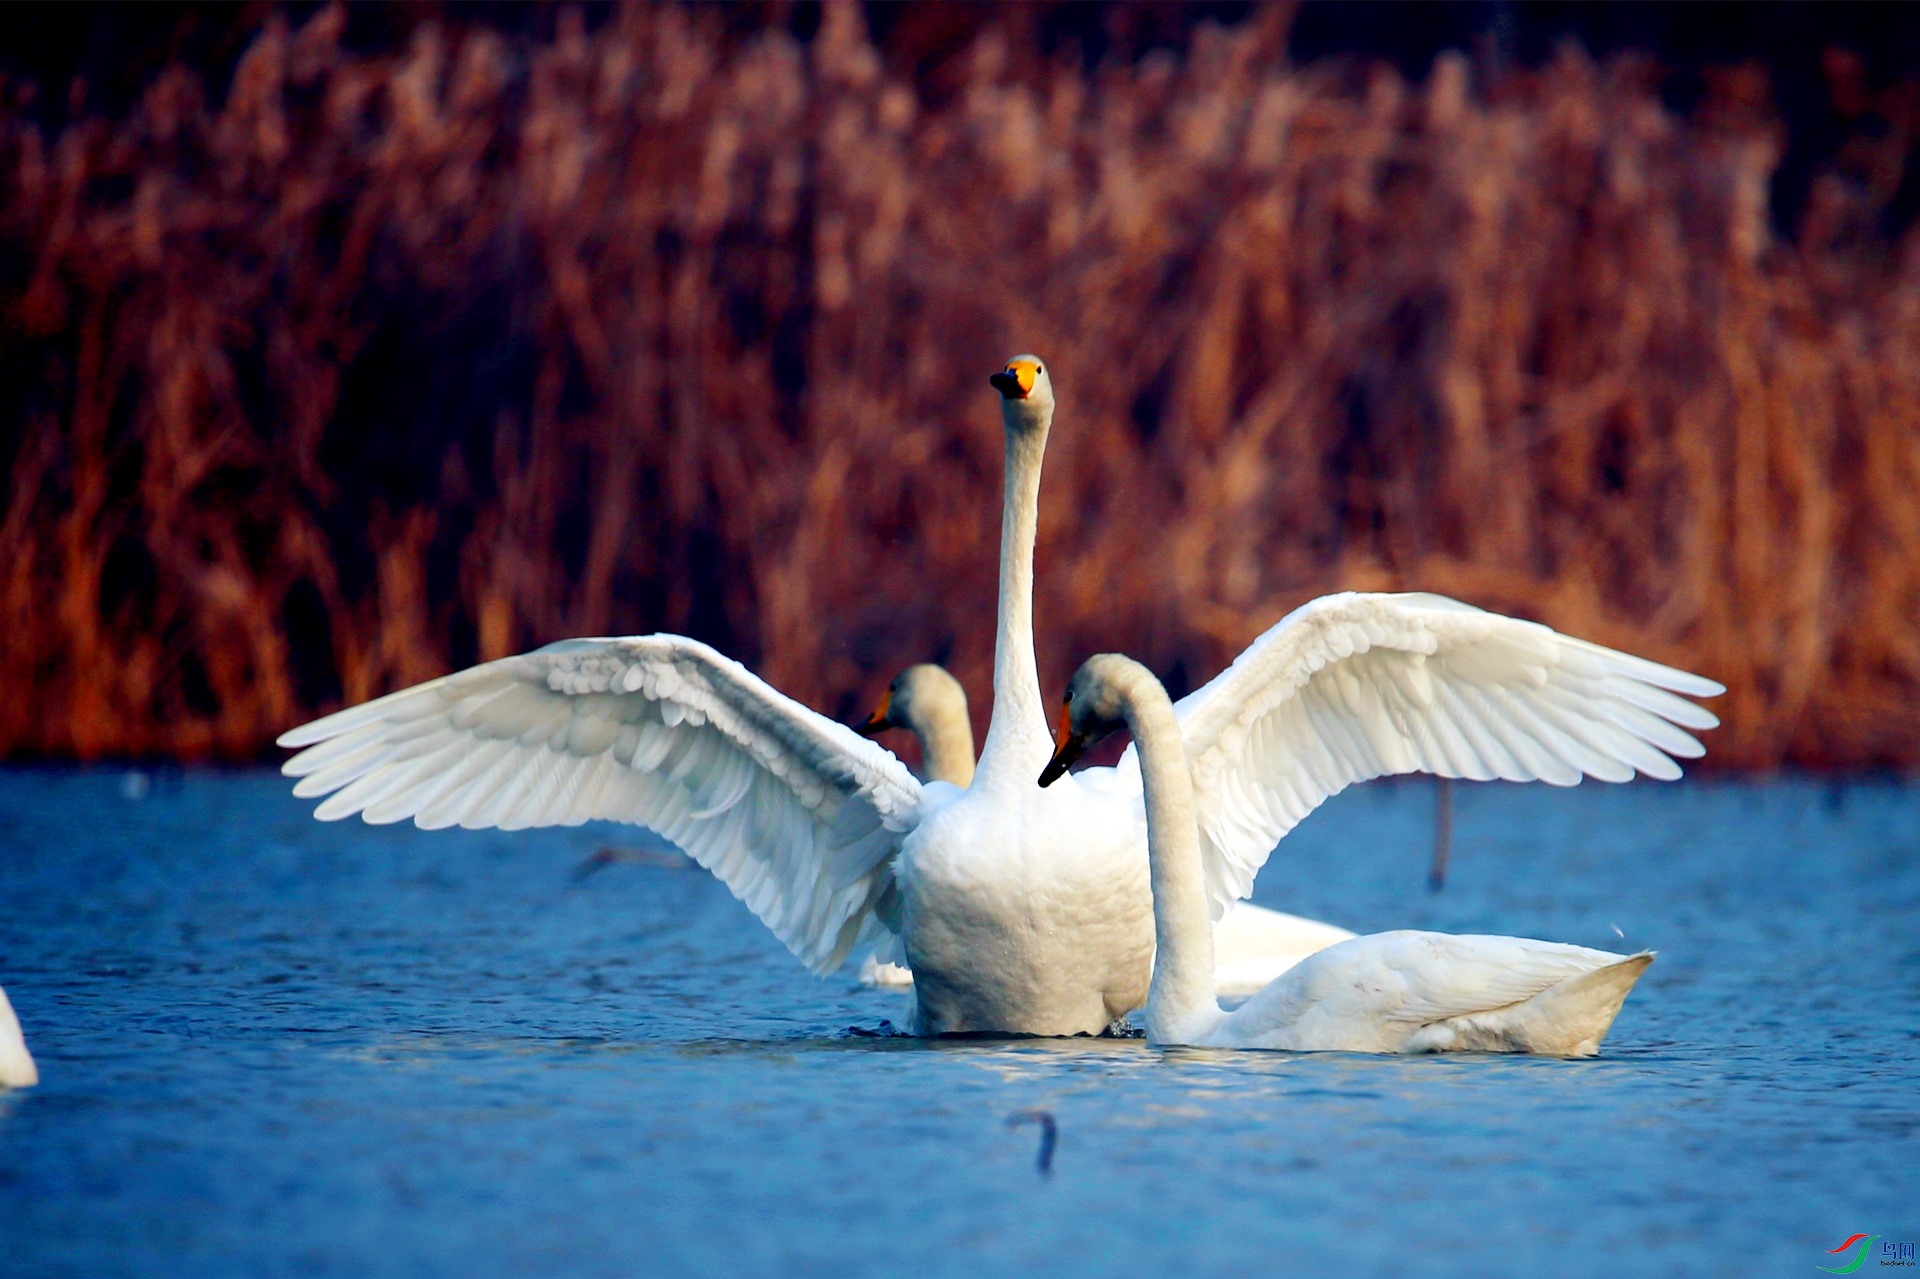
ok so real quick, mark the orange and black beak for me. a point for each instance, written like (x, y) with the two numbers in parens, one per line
(877, 723)
(1066, 748)
(1015, 382)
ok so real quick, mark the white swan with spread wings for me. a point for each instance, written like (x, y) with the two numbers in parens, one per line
(1391, 992)
(1019, 909)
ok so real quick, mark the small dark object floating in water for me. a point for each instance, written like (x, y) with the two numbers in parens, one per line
(1049, 1135)
(885, 1030)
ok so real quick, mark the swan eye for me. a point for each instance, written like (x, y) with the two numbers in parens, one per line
(1038, 370)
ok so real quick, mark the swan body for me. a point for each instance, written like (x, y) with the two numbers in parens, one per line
(1411, 992)
(16, 1063)
(1383, 993)
(1019, 909)
(1027, 915)
(1252, 945)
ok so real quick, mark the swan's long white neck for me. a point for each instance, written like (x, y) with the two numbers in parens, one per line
(1181, 1006)
(1018, 743)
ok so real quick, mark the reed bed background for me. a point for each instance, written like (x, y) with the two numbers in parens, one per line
(383, 363)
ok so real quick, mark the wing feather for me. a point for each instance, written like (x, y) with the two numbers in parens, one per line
(1483, 742)
(1355, 686)
(1673, 741)
(800, 817)
(415, 783)
(445, 811)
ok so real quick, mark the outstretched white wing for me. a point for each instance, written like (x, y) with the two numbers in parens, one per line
(798, 815)
(1351, 687)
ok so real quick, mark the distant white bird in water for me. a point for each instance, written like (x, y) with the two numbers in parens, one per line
(16, 1063)
(1018, 909)
(1251, 944)
(1387, 992)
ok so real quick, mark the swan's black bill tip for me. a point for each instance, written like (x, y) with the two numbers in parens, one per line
(1067, 747)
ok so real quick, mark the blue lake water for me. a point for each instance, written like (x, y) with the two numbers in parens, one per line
(273, 1047)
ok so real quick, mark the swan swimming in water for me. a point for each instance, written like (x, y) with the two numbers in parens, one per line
(1019, 910)
(1251, 944)
(16, 1063)
(1383, 993)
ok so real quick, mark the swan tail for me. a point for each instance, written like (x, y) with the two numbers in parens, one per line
(1567, 1019)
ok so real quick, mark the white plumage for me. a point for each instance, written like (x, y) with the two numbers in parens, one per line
(1020, 910)
(1388, 992)
(1417, 992)
(16, 1063)
(1252, 945)
(1356, 686)
(799, 816)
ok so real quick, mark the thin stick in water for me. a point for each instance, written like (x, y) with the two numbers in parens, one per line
(1442, 833)
(1049, 1134)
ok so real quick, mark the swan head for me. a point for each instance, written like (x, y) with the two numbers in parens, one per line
(1026, 392)
(1095, 709)
(917, 697)
(928, 702)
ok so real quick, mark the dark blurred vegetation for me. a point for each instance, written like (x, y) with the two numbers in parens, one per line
(343, 347)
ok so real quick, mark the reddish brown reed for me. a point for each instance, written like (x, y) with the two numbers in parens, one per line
(386, 363)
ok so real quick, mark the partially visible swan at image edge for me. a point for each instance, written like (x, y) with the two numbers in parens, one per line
(1019, 910)
(16, 1063)
(1251, 944)
(1391, 992)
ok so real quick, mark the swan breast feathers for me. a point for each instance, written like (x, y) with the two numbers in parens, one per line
(1355, 686)
(798, 815)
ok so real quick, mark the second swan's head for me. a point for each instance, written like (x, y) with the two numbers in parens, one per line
(917, 699)
(1026, 392)
(1095, 709)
